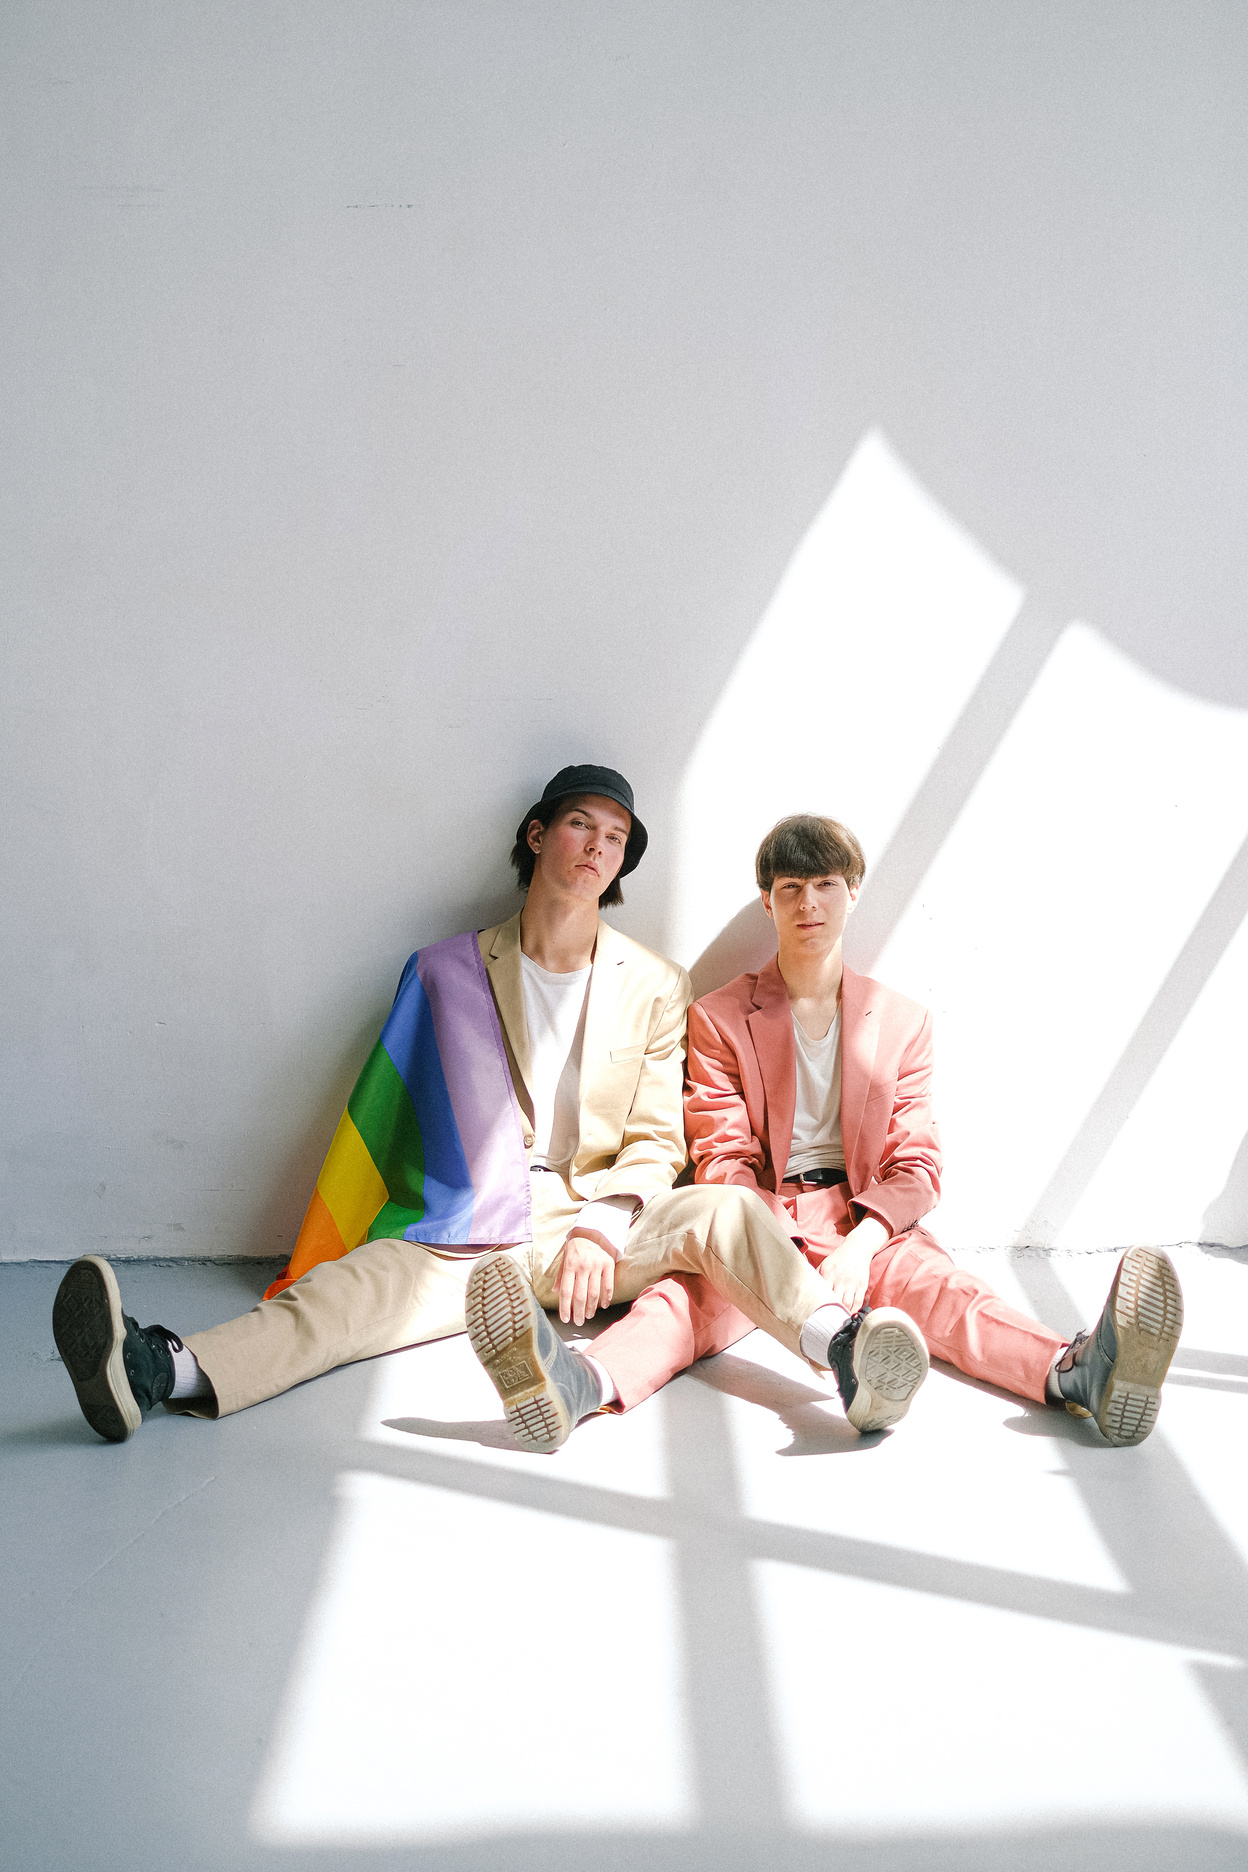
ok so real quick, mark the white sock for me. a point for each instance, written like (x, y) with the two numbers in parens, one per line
(820, 1330)
(609, 1392)
(188, 1379)
(1052, 1389)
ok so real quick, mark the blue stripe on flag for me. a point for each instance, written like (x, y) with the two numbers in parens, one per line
(408, 1037)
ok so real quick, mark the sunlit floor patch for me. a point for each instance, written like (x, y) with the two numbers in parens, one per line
(968, 1474)
(980, 1621)
(1204, 1411)
(929, 1716)
(459, 1668)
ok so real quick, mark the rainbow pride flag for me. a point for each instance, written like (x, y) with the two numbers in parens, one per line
(430, 1147)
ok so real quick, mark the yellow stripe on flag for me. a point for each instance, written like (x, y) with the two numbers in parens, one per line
(350, 1184)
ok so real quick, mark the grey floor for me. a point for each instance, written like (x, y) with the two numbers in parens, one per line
(355, 1628)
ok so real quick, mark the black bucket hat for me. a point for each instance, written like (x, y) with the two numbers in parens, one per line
(604, 783)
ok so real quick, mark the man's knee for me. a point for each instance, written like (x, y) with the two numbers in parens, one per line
(727, 1203)
(691, 1230)
(920, 1278)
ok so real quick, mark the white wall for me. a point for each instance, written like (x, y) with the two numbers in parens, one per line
(403, 400)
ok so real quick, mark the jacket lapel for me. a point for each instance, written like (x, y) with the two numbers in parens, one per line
(502, 965)
(771, 1030)
(860, 1035)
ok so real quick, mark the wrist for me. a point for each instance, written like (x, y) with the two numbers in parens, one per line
(607, 1220)
(870, 1230)
(593, 1235)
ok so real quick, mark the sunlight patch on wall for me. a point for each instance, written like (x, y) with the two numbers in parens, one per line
(1171, 1158)
(877, 634)
(436, 1696)
(1073, 877)
(1059, 889)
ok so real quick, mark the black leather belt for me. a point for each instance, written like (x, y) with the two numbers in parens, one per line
(824, 1178)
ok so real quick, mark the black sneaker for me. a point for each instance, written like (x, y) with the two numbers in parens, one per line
(546, 1386)
(880, 1360)
(1115, 1373)
(120, 1369)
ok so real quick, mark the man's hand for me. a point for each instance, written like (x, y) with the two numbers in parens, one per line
(586, 1275)
(848, 1268)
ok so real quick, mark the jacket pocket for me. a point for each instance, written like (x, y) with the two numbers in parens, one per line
(620, 1056)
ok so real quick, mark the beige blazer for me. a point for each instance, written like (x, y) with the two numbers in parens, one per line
(632, 1133)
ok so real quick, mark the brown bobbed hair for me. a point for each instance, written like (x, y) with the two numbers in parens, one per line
(524, 858)
(807, 845)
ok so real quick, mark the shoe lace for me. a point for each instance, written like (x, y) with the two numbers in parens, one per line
(170, 1338)
(845, 1334)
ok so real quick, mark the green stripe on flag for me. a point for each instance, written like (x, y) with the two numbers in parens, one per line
(391, 1223)
(381, 1111)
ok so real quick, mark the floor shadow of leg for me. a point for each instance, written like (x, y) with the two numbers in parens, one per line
(814, 1417)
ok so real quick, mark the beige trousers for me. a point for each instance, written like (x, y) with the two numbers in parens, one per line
(389, 1294)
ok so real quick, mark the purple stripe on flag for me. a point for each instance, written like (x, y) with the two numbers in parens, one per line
(474, 1062)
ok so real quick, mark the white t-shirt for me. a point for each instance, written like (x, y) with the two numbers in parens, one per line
(817, 1142)
(554, 1008)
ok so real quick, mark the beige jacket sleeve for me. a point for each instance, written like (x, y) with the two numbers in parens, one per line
(651, 1149)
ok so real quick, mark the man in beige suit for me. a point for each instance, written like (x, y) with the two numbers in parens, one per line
(594, 1030)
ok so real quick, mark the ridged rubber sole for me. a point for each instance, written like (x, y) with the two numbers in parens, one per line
(90, 1334)
(501, 1312)
(890, 1363)
(1147, 1305)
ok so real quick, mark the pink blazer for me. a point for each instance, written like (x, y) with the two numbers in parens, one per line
(741, 1087)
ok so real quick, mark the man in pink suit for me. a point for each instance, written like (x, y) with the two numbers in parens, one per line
(809, 1087)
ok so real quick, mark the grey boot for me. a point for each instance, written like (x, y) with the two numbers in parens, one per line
(1115, 1373)
(546, 1386)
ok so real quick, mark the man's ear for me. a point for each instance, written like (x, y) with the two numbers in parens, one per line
(533, 837)
(766, 897)
(853, 895)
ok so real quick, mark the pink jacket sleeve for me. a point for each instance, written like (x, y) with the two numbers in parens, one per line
(907, 1183)
(722, 1143)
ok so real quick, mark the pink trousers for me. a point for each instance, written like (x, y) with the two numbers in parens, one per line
(683, 1318)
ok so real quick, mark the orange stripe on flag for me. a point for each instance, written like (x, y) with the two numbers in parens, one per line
(319, 1240)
